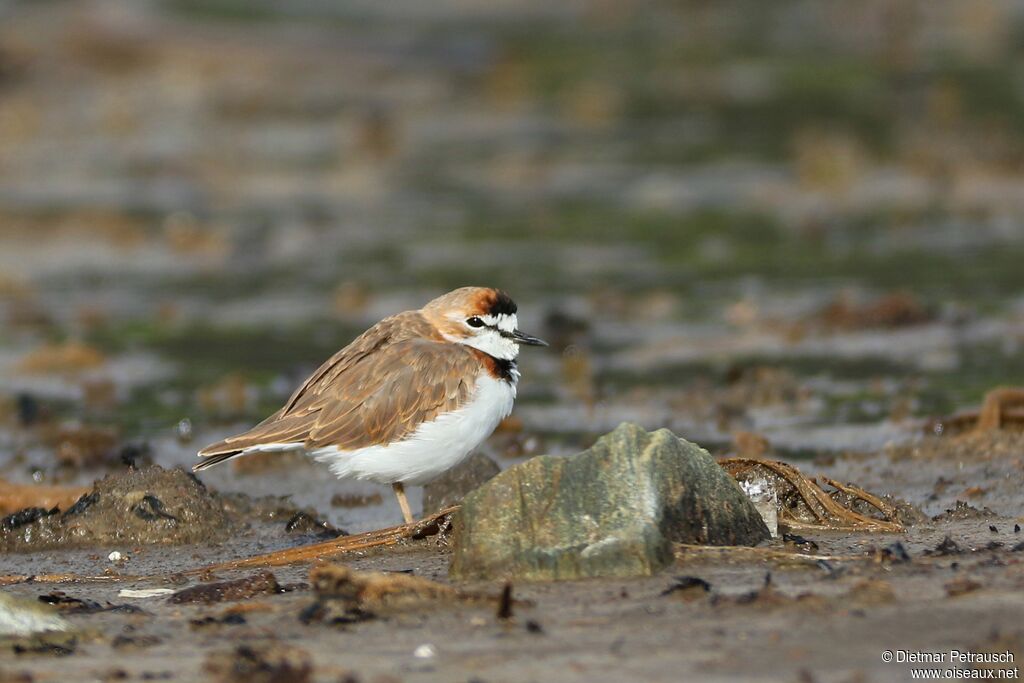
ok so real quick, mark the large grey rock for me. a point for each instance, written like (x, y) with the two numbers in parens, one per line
(612, 510)
(453, 485)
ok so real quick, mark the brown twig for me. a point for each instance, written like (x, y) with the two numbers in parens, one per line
(372, 539)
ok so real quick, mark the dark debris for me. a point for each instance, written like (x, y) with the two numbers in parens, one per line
(688, 587)
(56, 644)
(126, 642)
(134, 454)
(305, 523)
(71, 605)
(894, 553)
(963, 510)
(26, 516)
(82, 504)
(263, 583)
(151, 509)
(505, 603)
(800, 542)
(229, 619)
(334, 613)
(947, 547)
(28, 410)
(260, 664)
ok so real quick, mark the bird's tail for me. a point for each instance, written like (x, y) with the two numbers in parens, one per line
(215, 459)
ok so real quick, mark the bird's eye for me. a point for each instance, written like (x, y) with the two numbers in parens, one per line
(475, 322)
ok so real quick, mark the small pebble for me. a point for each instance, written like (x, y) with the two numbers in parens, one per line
(184, 430)
(425, 651)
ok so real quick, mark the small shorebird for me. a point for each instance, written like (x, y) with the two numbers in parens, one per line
(407, 400)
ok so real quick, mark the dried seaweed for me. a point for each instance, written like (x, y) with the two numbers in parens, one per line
(804, 504)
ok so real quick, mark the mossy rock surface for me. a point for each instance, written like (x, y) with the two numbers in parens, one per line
(612, 510)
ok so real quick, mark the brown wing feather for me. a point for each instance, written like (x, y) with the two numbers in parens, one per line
(397, 328)
(385, 397)
(378, 389)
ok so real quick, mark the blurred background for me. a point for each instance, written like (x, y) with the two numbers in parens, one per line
(798, 220)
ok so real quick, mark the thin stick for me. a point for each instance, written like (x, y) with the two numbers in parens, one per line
(371, 539)
(10, 579)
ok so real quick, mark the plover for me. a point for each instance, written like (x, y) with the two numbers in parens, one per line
(407, 400)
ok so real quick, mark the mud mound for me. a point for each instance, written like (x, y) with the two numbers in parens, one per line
(151, 505)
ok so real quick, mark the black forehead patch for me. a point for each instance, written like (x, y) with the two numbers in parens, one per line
(502, 304)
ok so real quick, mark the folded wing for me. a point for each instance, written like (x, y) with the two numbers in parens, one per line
(377, 390)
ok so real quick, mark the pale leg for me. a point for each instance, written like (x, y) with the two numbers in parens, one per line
(403, 502)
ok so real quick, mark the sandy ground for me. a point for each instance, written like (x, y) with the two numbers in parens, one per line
(595, 630)
(818, 621)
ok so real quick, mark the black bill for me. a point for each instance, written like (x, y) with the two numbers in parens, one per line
(522, 338)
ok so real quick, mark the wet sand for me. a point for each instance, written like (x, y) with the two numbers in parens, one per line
(592, 630)
(822, 621)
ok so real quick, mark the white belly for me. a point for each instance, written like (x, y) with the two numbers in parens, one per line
(434, 448)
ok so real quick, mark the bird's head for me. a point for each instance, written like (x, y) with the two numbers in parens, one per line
(480, 317)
